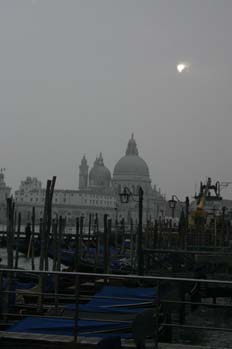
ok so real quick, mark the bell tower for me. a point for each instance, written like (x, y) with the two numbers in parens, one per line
(83, 173)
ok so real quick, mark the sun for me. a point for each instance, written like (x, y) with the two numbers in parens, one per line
(181, 67)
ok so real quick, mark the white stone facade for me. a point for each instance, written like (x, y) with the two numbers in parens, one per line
(132, 171)
(98, 192)
(67, 203)
(4, 194)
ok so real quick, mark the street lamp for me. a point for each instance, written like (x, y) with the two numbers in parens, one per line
(116, 216)
(172, 204)
(125, 195)
(124, 198)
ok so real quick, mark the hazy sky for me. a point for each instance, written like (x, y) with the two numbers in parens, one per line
(79, 76)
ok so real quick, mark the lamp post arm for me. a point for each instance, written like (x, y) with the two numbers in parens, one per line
(176, 197)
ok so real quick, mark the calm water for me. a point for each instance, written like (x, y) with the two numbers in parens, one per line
(23, 262)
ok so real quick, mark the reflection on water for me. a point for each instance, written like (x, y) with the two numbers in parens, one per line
(23, 262)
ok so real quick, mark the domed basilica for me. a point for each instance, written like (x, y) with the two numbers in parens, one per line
(132, 172)
(98, 192)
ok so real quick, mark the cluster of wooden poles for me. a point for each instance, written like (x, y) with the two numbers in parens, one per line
(54, 228)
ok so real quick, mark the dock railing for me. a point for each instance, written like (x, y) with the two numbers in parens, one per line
(174, 295)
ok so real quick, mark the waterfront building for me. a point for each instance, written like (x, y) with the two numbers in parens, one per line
(132, 171)
(4, 194)
(98, 192)
(66, 203)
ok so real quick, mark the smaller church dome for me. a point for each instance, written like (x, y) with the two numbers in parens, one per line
(99, 175)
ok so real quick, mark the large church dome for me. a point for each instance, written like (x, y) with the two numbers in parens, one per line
(131, 165)
(99, 175)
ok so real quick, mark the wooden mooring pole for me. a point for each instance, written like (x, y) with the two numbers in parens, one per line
(46, 225)
(17, 241)
(77, 246)
(10, 251)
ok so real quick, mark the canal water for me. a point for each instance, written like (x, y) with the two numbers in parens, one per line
(201, 317)
(206, 317)
(23, 262)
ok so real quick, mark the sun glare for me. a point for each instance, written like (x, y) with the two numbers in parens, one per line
(181, 67)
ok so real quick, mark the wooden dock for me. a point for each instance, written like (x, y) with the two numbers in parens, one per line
(29, 340)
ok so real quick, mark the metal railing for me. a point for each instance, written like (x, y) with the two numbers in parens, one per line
(14, 304)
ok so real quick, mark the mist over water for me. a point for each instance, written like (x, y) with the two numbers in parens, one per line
(23, 262)
(79, 79)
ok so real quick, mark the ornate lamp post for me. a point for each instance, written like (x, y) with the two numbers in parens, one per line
(187, 210)
(124, 198)
(172, 204)
(224, 226)
(116, 215)
(183, 222)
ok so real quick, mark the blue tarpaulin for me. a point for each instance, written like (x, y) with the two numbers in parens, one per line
(87, 328)
(130, 300)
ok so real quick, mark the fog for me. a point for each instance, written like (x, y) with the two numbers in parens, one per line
(78, 77)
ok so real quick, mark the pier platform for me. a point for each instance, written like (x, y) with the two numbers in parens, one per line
(30, 340)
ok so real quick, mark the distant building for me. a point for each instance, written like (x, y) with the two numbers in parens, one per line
(98, 193)
(132, 171)
(4, 193)
(66, 203)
